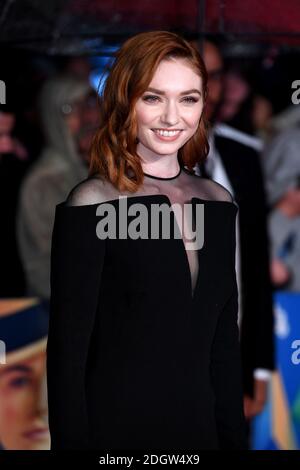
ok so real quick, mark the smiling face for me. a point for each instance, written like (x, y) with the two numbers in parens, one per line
(169, 111)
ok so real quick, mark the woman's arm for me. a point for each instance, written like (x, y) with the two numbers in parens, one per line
(226, 369)
(227, 379)
(77, 259)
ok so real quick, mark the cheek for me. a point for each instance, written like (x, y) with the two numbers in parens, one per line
(193, 118)
(10, 415)
(16, 404)
(144, 116)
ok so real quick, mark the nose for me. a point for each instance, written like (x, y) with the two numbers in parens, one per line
(170, 114)
(37, 408)
(42, 399)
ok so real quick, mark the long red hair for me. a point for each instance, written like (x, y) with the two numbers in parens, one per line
(113, 150)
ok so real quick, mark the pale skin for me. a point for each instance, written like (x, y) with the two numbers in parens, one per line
(168, 104)
(23, 405)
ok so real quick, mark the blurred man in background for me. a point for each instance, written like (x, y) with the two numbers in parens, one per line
(233, 161)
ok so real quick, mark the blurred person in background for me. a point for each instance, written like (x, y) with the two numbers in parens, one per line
(78, 66)
(13, 165)
(281, 164)
(289, 118)
(241, 107)
(233, 161)
(89, 123)
(57, 170)
(23, 391)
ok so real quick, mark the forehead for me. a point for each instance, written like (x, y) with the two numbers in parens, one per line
(28, 365)
(175, 75)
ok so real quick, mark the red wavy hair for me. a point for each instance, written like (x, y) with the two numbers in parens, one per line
(113, 150)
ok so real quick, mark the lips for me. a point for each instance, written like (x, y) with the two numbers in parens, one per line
(37, 433)
(167, 134)
(165, 129)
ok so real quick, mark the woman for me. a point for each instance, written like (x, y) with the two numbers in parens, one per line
(143, 346)
(23, 398)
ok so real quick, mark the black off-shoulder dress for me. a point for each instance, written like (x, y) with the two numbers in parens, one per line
(143, 350)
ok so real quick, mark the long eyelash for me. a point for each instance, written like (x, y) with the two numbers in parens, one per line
(190, 99)
(150, 98)
(187, 99)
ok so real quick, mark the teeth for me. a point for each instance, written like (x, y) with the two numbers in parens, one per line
(166, 133)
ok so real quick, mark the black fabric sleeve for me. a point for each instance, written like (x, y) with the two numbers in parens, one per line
(226, 371)
(77, 258)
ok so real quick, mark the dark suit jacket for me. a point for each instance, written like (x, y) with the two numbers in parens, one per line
(243, 169)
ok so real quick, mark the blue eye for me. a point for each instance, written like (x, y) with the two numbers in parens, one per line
(154, 98)
(19, 382)
(150, 98)
(190, 99)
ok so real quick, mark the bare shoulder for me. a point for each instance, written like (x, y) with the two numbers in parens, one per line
(206, 188)
(217, 192)
(93, 190)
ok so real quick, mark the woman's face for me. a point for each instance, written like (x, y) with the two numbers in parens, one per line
(169, 111)
(23, 405)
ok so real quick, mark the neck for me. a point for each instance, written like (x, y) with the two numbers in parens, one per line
(164, 166)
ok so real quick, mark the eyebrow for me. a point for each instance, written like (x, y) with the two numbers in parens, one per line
(16, 368)
(187, 92)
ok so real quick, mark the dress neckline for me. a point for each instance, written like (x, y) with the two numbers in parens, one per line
(162, 178)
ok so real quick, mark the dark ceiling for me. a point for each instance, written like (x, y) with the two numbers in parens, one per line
(85, 26)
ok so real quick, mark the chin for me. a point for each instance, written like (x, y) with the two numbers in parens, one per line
(38, 445)
(43, 445)
(165, 149)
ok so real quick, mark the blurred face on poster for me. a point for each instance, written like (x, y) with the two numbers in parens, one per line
(23, 404)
